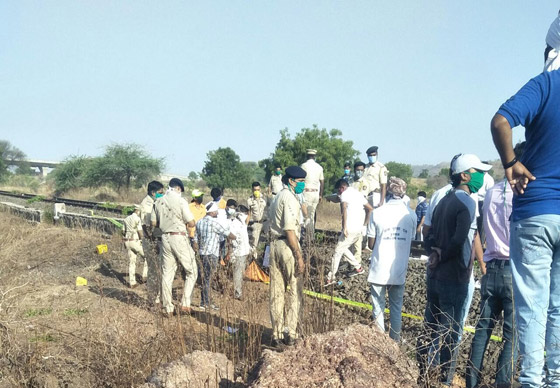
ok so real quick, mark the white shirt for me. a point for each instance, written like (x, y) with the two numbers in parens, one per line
(240, 245)
(393, 225)
(314, 174)
(486, 185)
(355, 212)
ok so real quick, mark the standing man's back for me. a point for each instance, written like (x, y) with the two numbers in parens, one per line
(314, 183)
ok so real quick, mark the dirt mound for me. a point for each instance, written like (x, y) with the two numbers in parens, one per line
(358, 356)
(197, 369)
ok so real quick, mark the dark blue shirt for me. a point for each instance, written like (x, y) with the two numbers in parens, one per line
(537, 107)
(421, 210)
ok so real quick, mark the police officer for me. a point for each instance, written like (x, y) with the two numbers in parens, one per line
(286, 262)
(376, 175)
(172, 215)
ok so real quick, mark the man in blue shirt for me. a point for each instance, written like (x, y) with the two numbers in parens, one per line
(535, 223)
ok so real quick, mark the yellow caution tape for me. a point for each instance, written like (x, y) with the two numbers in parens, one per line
(80, 281)
(102, 249)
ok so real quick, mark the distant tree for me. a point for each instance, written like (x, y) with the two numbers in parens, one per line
(71, 173)
(400, 170)
(332, 152)
(123, 166)
(444, 172)
(224, 169)
(8, 155)
(424, 174)
(256, 172)
(193, 176)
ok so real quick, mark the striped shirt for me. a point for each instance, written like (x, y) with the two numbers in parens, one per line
(208, 233)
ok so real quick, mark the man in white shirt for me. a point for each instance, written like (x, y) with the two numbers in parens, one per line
(314, 183)
(390, 233)
(241, 248)
(132, 237)
(355, 211)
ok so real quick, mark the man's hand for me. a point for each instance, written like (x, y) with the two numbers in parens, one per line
(300, 266)
(434, 258)
(483, 268)
(345, 232)
(518, 177)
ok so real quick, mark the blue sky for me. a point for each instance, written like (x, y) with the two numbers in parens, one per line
(419, 79)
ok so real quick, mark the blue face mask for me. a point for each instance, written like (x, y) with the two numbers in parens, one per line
(372, 159)
(159, 195)
(300, 186)
(347, 171)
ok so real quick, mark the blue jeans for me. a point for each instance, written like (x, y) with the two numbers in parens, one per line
(535, 268)
(396, 293)
(445, 308)
(497, 296)
(209, 264)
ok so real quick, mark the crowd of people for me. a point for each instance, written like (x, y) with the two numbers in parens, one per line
(509, 229)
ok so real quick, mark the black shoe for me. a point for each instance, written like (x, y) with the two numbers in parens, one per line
(275, 343)
(289, 341)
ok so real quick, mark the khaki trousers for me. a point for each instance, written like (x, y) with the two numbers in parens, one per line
(257, 228)
(343, 249)
(177, 248)
(239, 265)
(153, 259)
(134, 249)
(312, 201)
(284, 290)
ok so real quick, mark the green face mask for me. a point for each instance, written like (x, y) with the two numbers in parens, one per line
(300, 186)
(278, 172)
(476, 182)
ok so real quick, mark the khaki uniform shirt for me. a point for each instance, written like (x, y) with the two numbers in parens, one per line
(172, 213)
(376, 175)
(146, 208)
(314, 174)
(256, 205)
(276, 184)
(285, 214)
(132, 224)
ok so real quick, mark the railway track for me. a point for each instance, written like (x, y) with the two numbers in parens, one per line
(105, 206)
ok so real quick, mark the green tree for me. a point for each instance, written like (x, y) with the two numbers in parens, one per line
(8, 155)
(444, 172)
(256, 172)
(123, 166)
(400, 170)
(332, 152)
(224, 169)
(424, 174)
(71, 173)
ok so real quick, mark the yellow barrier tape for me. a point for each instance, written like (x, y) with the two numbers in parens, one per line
(370, 307)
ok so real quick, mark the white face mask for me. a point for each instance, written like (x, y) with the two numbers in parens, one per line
(242, 217)
(231, 212)
(372, 158)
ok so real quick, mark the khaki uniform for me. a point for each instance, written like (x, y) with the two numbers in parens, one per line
(376, 175)
(285, 287)
(153, 257)
(275, 185)
(132, 225)
(257, 206)
(172, 213)
(312, 186)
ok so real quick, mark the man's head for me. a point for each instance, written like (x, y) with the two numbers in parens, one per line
(340, 186)
(294, 178)
(371, 153)
(231, 205)
(197, 196)
(212, 209)
(155, 187)
(421, 194)
(256, 187)
(311, 153)
(216, 193)
(242, 212)
(359, 168)
(177, 185)
(552, 51)
(467, 169)
(396, 187)
(277, 169)
(347, 166)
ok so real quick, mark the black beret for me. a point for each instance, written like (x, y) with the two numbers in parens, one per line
(371, 150)
(177, 182)
(295, 172)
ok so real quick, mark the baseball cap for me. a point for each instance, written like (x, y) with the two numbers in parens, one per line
(196, 193)
(468, 161)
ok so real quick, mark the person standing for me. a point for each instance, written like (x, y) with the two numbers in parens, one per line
(257, 205)
(348, 176)
(496, 287)
(241, 248)
(390, 233)
(360, 181)
(172, 215)
(421, 210)
(286, 258)
(450, 245)
(197, 209)
(535, 218)
(132, 237)
(314, 183)
(275, 184)
(217, 196)
(152, 237)
(376, 176)
(355, 212)
(209, 231)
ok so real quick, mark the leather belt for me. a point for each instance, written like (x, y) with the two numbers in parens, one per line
(311, 190)
(130, 239)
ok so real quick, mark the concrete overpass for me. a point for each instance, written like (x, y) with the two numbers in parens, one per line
(41, 165)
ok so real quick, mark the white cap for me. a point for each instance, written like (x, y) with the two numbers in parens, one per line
(211, 207)
(467, 161)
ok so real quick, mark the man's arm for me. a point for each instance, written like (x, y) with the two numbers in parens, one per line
(479, 253)
(460, 234)
(517, 175)
(425, 231)
(321, 186)
(368, 208)
(293, 243)
(370, 242)
(419, 227)
(383, 193)
(343, 211)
